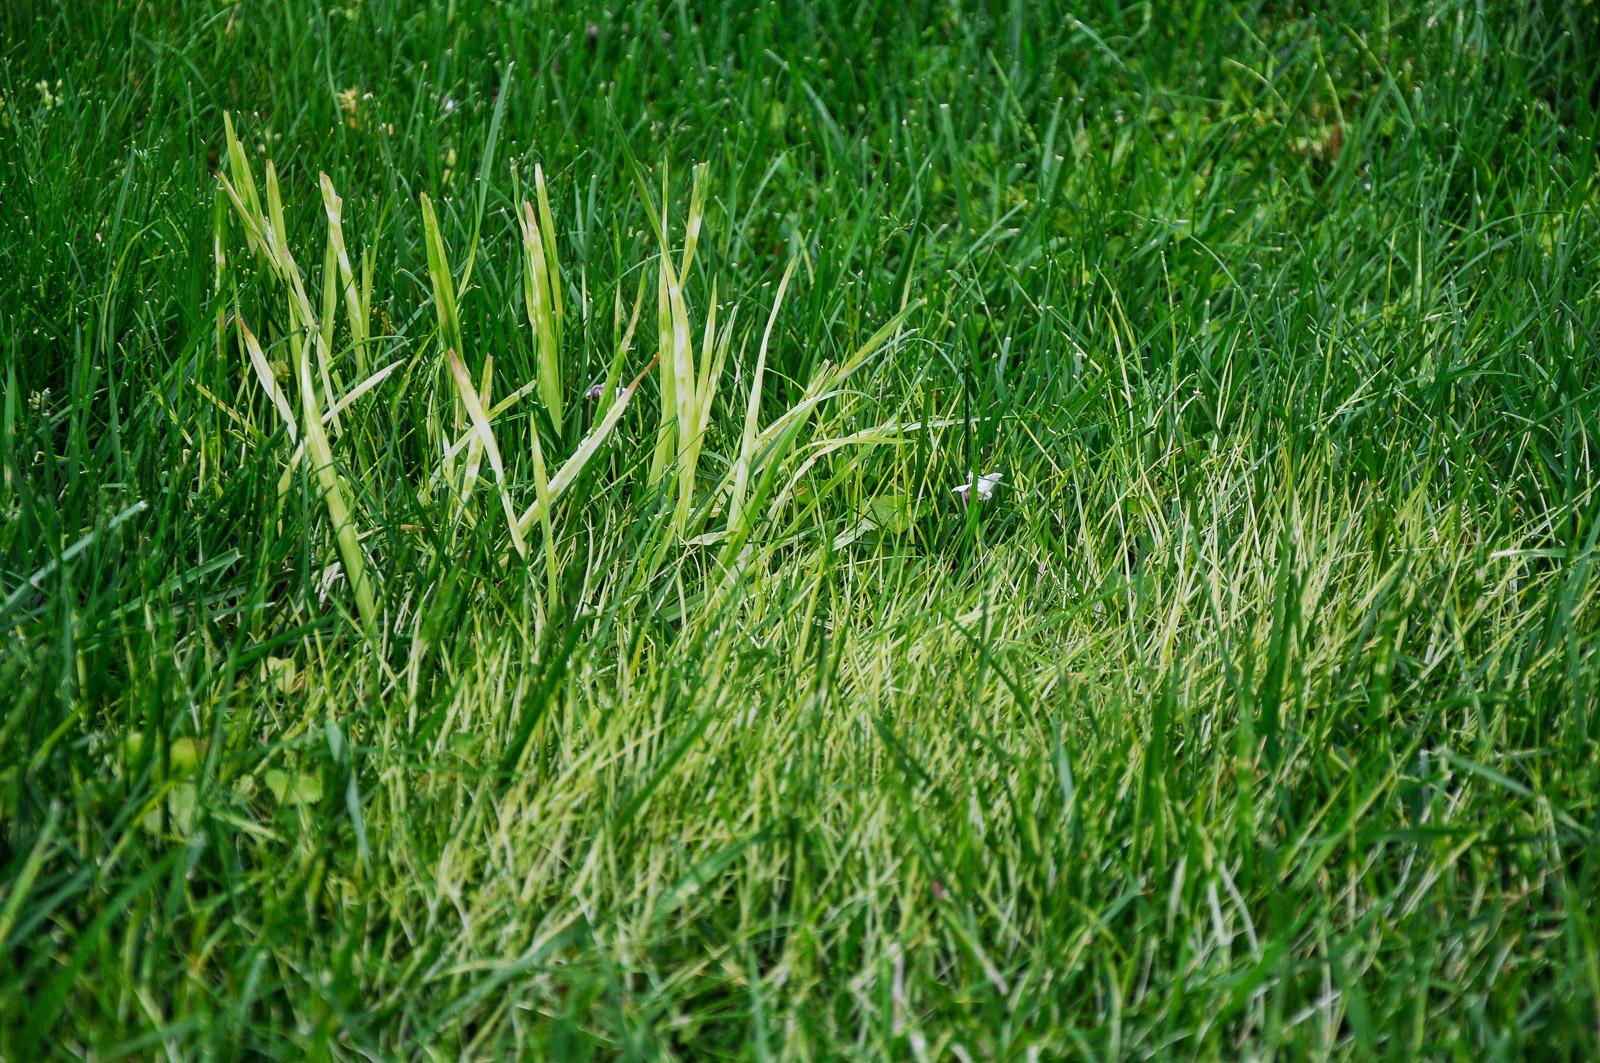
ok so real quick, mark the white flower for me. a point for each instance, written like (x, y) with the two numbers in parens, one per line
(985, 484)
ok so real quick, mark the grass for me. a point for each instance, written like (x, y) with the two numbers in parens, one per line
(481, 575)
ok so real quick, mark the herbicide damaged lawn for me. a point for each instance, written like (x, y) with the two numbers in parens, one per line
(482, 570)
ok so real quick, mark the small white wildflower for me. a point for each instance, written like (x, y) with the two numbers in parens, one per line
(985, 485)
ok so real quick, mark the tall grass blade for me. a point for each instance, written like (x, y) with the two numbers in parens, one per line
(538, 292)
(752, 410)
(355, 307)
(480, 424)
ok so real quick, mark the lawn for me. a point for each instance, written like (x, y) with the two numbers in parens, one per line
(813, 531)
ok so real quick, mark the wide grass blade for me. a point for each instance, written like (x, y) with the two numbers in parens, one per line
(356, 309)
(752, 411)
(303, 332)
(539, 287)
(574, 465)
(264, 374)
(480, 424)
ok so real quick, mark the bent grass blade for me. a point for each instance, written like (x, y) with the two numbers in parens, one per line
(480, 424)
